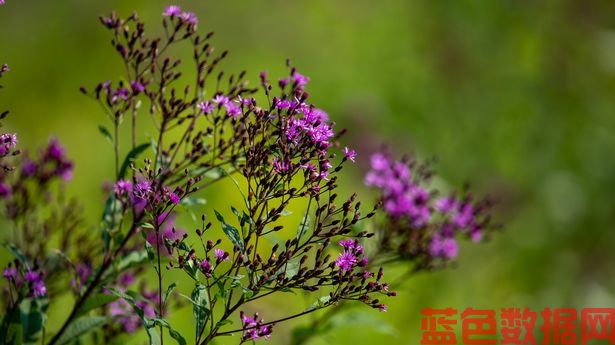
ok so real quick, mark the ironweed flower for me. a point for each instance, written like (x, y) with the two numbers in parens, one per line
(280, 151)
(284, 150)
(253, 328)
(419, 224)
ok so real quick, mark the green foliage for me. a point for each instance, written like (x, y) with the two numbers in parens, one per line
(231, 232)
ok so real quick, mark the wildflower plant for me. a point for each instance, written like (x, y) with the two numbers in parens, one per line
(266, 143)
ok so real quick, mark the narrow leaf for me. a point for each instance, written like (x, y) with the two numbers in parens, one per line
(82, 326)
(132, 155)
(105, 132)
(231, 232)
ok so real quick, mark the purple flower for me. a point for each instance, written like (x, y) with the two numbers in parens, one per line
(126, 279)
(233, 109)
(55, 150)
(32, 276)
(28, 167)
(443, 247)
(190, 18)
(10, 273)
(10, 140)
(37, 285)
(350, 154)
(300, 79)
(140, 194)
(253, 328)
(137, 87)
(39, 289)
(221, 255)
(246, 101)
(122, 187)
(172, 11)
(83, 273)
(55, 153)
(281, 166)
(446, 204)
(126, 316)
(5, 190)
(174, 198)
(363, 262)
(282, 104)
(401, 196)
(206, 267)
(346, 261)
(206, 107)
(464, 216)
(220, 99)
(120, 93)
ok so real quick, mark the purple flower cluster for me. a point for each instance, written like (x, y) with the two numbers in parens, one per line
(433, 221)
(253, 328)
(176, 12)
(33, 279)
(7, 143)
(51, 164)
(307, 122)
(83, 272)
(401, 196)
(36, 283)
(351, 257)
(146, 194)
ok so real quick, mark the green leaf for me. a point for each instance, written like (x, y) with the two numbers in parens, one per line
(215, 173)
(151, 256)
(225, 322)
(231, 232)
(193, 201)
(168, 293)
(172, 332)
(10, 329)
(95, 301)
(146, 225)
(16, 252)
(132, 155)
(105, 132)
(33, 319)
(247, 293)
(82, 326)
(154, 338)
(200, 307)
(192, 269)
(320, 303)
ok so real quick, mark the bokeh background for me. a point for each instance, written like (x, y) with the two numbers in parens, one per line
(516, 97)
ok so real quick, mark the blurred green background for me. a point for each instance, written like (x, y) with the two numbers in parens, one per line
(516, 97)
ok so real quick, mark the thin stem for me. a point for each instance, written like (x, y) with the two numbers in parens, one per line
(116, 147)
(273, 322)
(159, 281)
